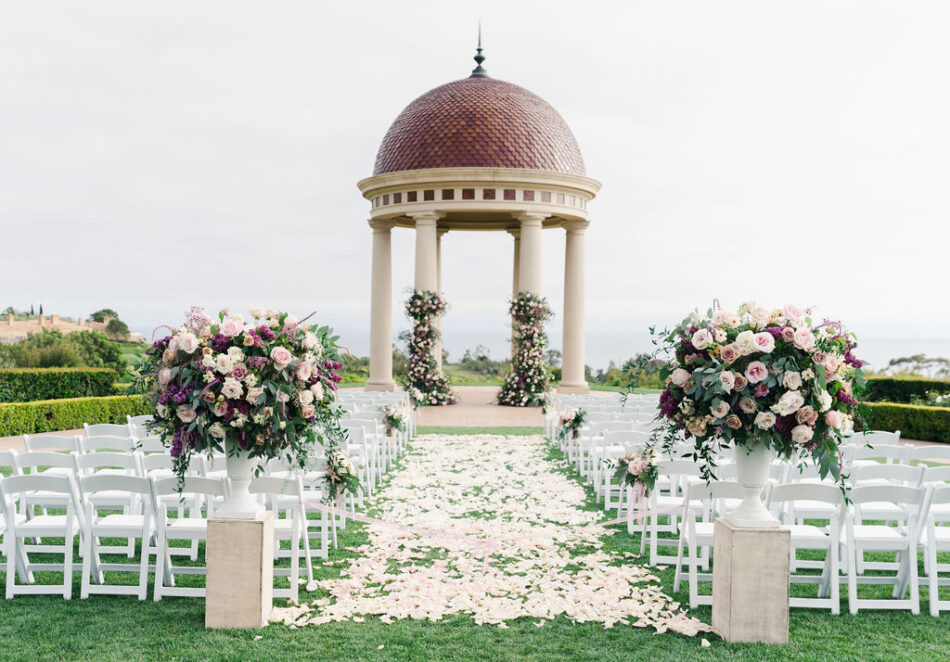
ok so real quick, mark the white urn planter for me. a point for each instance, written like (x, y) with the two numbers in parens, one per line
(239, 504)
(752, 474)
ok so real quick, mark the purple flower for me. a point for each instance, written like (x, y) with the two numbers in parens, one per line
(220, 342)
(761, 390)
(265, 332)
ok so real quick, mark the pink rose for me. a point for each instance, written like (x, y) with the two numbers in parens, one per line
(186, 414)
(231, 327)
(807, 416)
(169, 356)
(756, 372)
(305, 397)
(680, 376)
(239, 372)
(788, 334)
(747, 405)
(834, 419)
(741, 383)
(793, 314)
(281, 356)
(317, 390)
(733, 422)
(304, 371)
(763, 342)
(792, 380)
(804, 339)
(802, 434)
(701, 339)
(205, 332)
(729, 353)
(308, 411)
(220, 409)
(164, 376)
(187, 342)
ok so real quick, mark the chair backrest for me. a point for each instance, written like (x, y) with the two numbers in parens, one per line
(715, 489)
(940, 496)
(92, 463)
(887, 451)
(8, 459)
(896, 473)
(52, 442)
(37, 482)
(928, 452)
(112, 482)
(806, 492)
(939, 474)
(31, 462)
(106, 443)
(285, 486)
(875, 437)
(216, 487)
(150, 445)
(355, 435)
(625, 437)
(155, 462)
(898, 494)
(139, 420)
(107, 429)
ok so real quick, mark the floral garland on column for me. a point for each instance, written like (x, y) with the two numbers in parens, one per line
(425, 383)
(527, 382)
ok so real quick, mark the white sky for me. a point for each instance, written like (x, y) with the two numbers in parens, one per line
(162, 154)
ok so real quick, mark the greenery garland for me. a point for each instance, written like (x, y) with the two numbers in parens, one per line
(527, 382)
(425, 382)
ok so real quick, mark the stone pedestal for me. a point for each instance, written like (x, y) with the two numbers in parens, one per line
(240, 580)
(750, 583)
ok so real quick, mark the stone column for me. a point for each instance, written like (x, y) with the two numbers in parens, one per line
(438, 278)
(529, 266)
(426, 277)
(572, 362)
(381, 310)
(514, 281)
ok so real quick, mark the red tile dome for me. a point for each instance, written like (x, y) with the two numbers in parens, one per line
(479, 122)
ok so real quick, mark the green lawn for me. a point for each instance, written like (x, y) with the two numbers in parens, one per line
(122, 628)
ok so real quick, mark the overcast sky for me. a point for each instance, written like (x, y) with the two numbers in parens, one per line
(158, 155)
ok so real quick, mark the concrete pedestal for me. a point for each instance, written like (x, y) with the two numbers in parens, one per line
(750, 583)
(240, 580)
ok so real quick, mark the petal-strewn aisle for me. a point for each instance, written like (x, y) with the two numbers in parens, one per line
(545, 557)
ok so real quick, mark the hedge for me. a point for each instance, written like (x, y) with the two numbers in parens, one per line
(68, 414)
(29, 384)
(903, 389)
(914, 421)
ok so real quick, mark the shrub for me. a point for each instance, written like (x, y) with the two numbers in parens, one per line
(26, 384)
(914, 422)
(903, 389)
(68, 414)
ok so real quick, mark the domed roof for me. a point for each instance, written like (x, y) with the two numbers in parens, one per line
(479, 122)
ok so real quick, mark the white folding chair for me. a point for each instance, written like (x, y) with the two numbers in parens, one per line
(900, 539)
(65, 526)
(813, 538)
(52, 443)
(107, 430)
(99, 491)
(106, 443)
(291, 528)
(936, 540)
(191, 528)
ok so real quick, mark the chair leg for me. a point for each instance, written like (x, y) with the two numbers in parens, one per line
(143, 567)
(12, 555)
(68, 560)
(853, 579)
(933, 578)
(160, 550)
(679, 564)
(911, 561)
(86, 568)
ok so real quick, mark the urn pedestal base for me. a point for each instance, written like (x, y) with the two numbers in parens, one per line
(240, 579)
(750, 583)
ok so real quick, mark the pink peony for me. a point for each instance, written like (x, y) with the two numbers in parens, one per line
(304, 371)
(281, 356)
(763, 342)
(231, 327)
(834, 419)
(187, 342)
(756, 372)
(793, 314)
(680, 376)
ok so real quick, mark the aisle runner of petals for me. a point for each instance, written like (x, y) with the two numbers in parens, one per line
(546, 560)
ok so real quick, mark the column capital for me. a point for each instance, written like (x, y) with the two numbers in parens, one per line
(381, 225)
(424, 217)
(441, 231)
(575, 225)
(531, 218)
(514, 232)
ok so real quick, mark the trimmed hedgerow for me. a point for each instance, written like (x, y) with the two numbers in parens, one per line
(68, 414)
(903, 389)
(914, 421)
(29, 384)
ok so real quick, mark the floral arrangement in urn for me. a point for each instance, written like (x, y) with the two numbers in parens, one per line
(341, 474)
(261, 389)
(768, 382)
(638, 470)
(425, 382)
(527, 382)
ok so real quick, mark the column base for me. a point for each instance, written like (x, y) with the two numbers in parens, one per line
(565, 387)
(380, 386)
(240, 576)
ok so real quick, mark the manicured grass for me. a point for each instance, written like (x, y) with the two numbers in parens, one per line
(122, 628)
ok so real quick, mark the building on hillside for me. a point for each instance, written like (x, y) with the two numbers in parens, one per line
(13, 330)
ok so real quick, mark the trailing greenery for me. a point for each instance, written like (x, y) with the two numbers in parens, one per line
(914, 421)
(67, 414)
(27, 384)
(903, 389)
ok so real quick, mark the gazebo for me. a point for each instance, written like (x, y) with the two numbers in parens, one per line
(478, 154)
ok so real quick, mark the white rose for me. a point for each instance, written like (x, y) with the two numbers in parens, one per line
(745, 342)
(257, 313)
(801, 434)
(792, 380)
(789, 403)
(223, 364)
(232, 389)
(764, 420)
(305, 397)
(730, 319)
(236, 354)
(187, 342)
(309, 340)
(701, 339)
(825, 399)
(760, 317)
(720, 410)
(317, 390)
(727, 379)
(217, 431)
(254, 394)
(720, 336)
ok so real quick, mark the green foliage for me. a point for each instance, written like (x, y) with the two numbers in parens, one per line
(479, 361)
(51, 415)
(101, 315)
(914, 422)
(903, 389)
(117, 329)
(52, 349)
(919, 365)
(27, 384)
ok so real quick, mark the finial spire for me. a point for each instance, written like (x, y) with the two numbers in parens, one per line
(479, 71)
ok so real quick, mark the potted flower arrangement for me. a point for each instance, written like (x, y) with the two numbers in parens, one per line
(395, 420)
(254, 391)
(570, 424)
(341, 474)
(766, 382)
